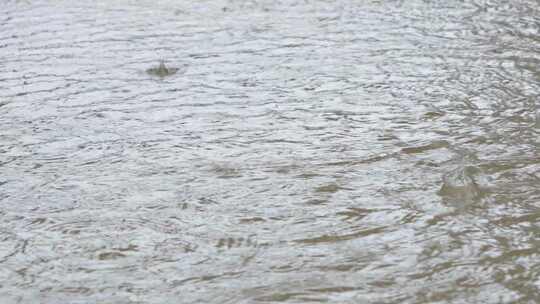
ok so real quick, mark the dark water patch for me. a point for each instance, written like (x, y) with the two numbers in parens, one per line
(340, 237)
(423, 148)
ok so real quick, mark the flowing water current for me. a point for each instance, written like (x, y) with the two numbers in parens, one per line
(270, 151)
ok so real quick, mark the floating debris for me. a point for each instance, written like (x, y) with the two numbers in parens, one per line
(162, 70)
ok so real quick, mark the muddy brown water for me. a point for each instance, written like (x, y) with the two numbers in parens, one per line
(305, 151)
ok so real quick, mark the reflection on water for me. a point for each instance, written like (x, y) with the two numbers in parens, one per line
(306, 151)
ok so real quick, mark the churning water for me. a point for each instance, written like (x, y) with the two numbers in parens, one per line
(286, 151)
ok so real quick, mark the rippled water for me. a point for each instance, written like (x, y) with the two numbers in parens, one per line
(304, 151)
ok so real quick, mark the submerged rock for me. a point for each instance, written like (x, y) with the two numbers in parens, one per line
(162, 70)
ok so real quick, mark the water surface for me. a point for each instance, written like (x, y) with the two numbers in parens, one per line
(305, 151)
